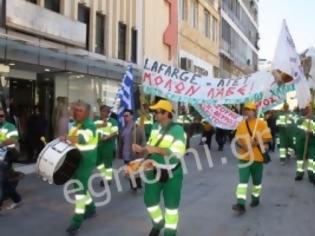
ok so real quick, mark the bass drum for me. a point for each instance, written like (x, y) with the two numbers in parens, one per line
(58, 162)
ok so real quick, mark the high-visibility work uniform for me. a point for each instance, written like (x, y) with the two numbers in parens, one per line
(147, 122)
(305, 126)
(284, 123)
(8, 131)
(87, 142)
(174, 141)
(106, 148)
(248, 169)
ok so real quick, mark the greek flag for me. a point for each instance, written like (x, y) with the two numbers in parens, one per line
(125, 95)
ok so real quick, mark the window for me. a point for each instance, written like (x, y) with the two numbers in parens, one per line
(183, 10)
(32, 1)
(134, 42)
(84, 17)
(207, 24)
(122, 29)
(194, 14)
(53, 5)
(214, 29)
(100, 33)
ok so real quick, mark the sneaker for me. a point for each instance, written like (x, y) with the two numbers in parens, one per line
(239, 208)
(72, 230)
(154, 232)
(14, 206)
(254, 203)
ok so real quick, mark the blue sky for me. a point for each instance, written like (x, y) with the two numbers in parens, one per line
(300, 17)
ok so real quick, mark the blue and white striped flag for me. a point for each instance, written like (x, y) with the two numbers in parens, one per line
(125, 95)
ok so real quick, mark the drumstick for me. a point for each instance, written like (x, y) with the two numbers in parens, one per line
(43, 140)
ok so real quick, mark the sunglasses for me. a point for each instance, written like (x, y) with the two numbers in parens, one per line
(126, 115)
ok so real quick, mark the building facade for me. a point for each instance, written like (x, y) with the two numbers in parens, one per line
(199, 27)
(239, 37)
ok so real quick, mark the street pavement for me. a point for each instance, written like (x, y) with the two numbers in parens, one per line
(287, 207)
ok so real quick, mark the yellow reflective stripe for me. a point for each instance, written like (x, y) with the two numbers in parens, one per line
(178, 147)
(87, 134)
(171, 212)
(114, 129)
(171, 226)
(4, 131)
(98, 122)
(88, 147)
(12, 133)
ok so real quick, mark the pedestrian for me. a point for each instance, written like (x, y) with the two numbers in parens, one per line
(83, 136)
(61, 117)
(130, 134)
(284, 123)
(252, 136)
(36, 127)
(208, 131)
(305, 145)
(271, 121)
(220, 137)
(8, 139)
(107, 130)
(165, 147)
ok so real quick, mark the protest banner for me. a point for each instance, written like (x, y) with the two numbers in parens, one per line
(182, 86)
(219, 116)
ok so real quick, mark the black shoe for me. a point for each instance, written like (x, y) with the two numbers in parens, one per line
(89, 215)
(154, 232)
(254, 203)
(299, 177)
(239, 208)
(73, 230)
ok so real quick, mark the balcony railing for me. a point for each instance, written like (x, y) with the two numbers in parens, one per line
(240, 25)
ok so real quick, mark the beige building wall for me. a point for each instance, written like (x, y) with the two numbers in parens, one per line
(193, 40)
(115, 11)
(149, 17)
(156, 20)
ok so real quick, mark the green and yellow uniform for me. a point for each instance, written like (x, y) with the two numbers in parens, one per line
(106, 148)
(252, 165)
(147, 122)
(87, 142)
(8, 131)
(305, 126)
(174, 141)
(284, 123)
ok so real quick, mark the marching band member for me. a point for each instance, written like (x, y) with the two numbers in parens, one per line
(83, 136)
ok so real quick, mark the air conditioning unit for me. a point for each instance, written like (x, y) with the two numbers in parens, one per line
(186, 64)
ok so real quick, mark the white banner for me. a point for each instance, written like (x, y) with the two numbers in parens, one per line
(219, 116)
(182, 86)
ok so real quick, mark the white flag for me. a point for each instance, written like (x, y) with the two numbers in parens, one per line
(288, 61)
